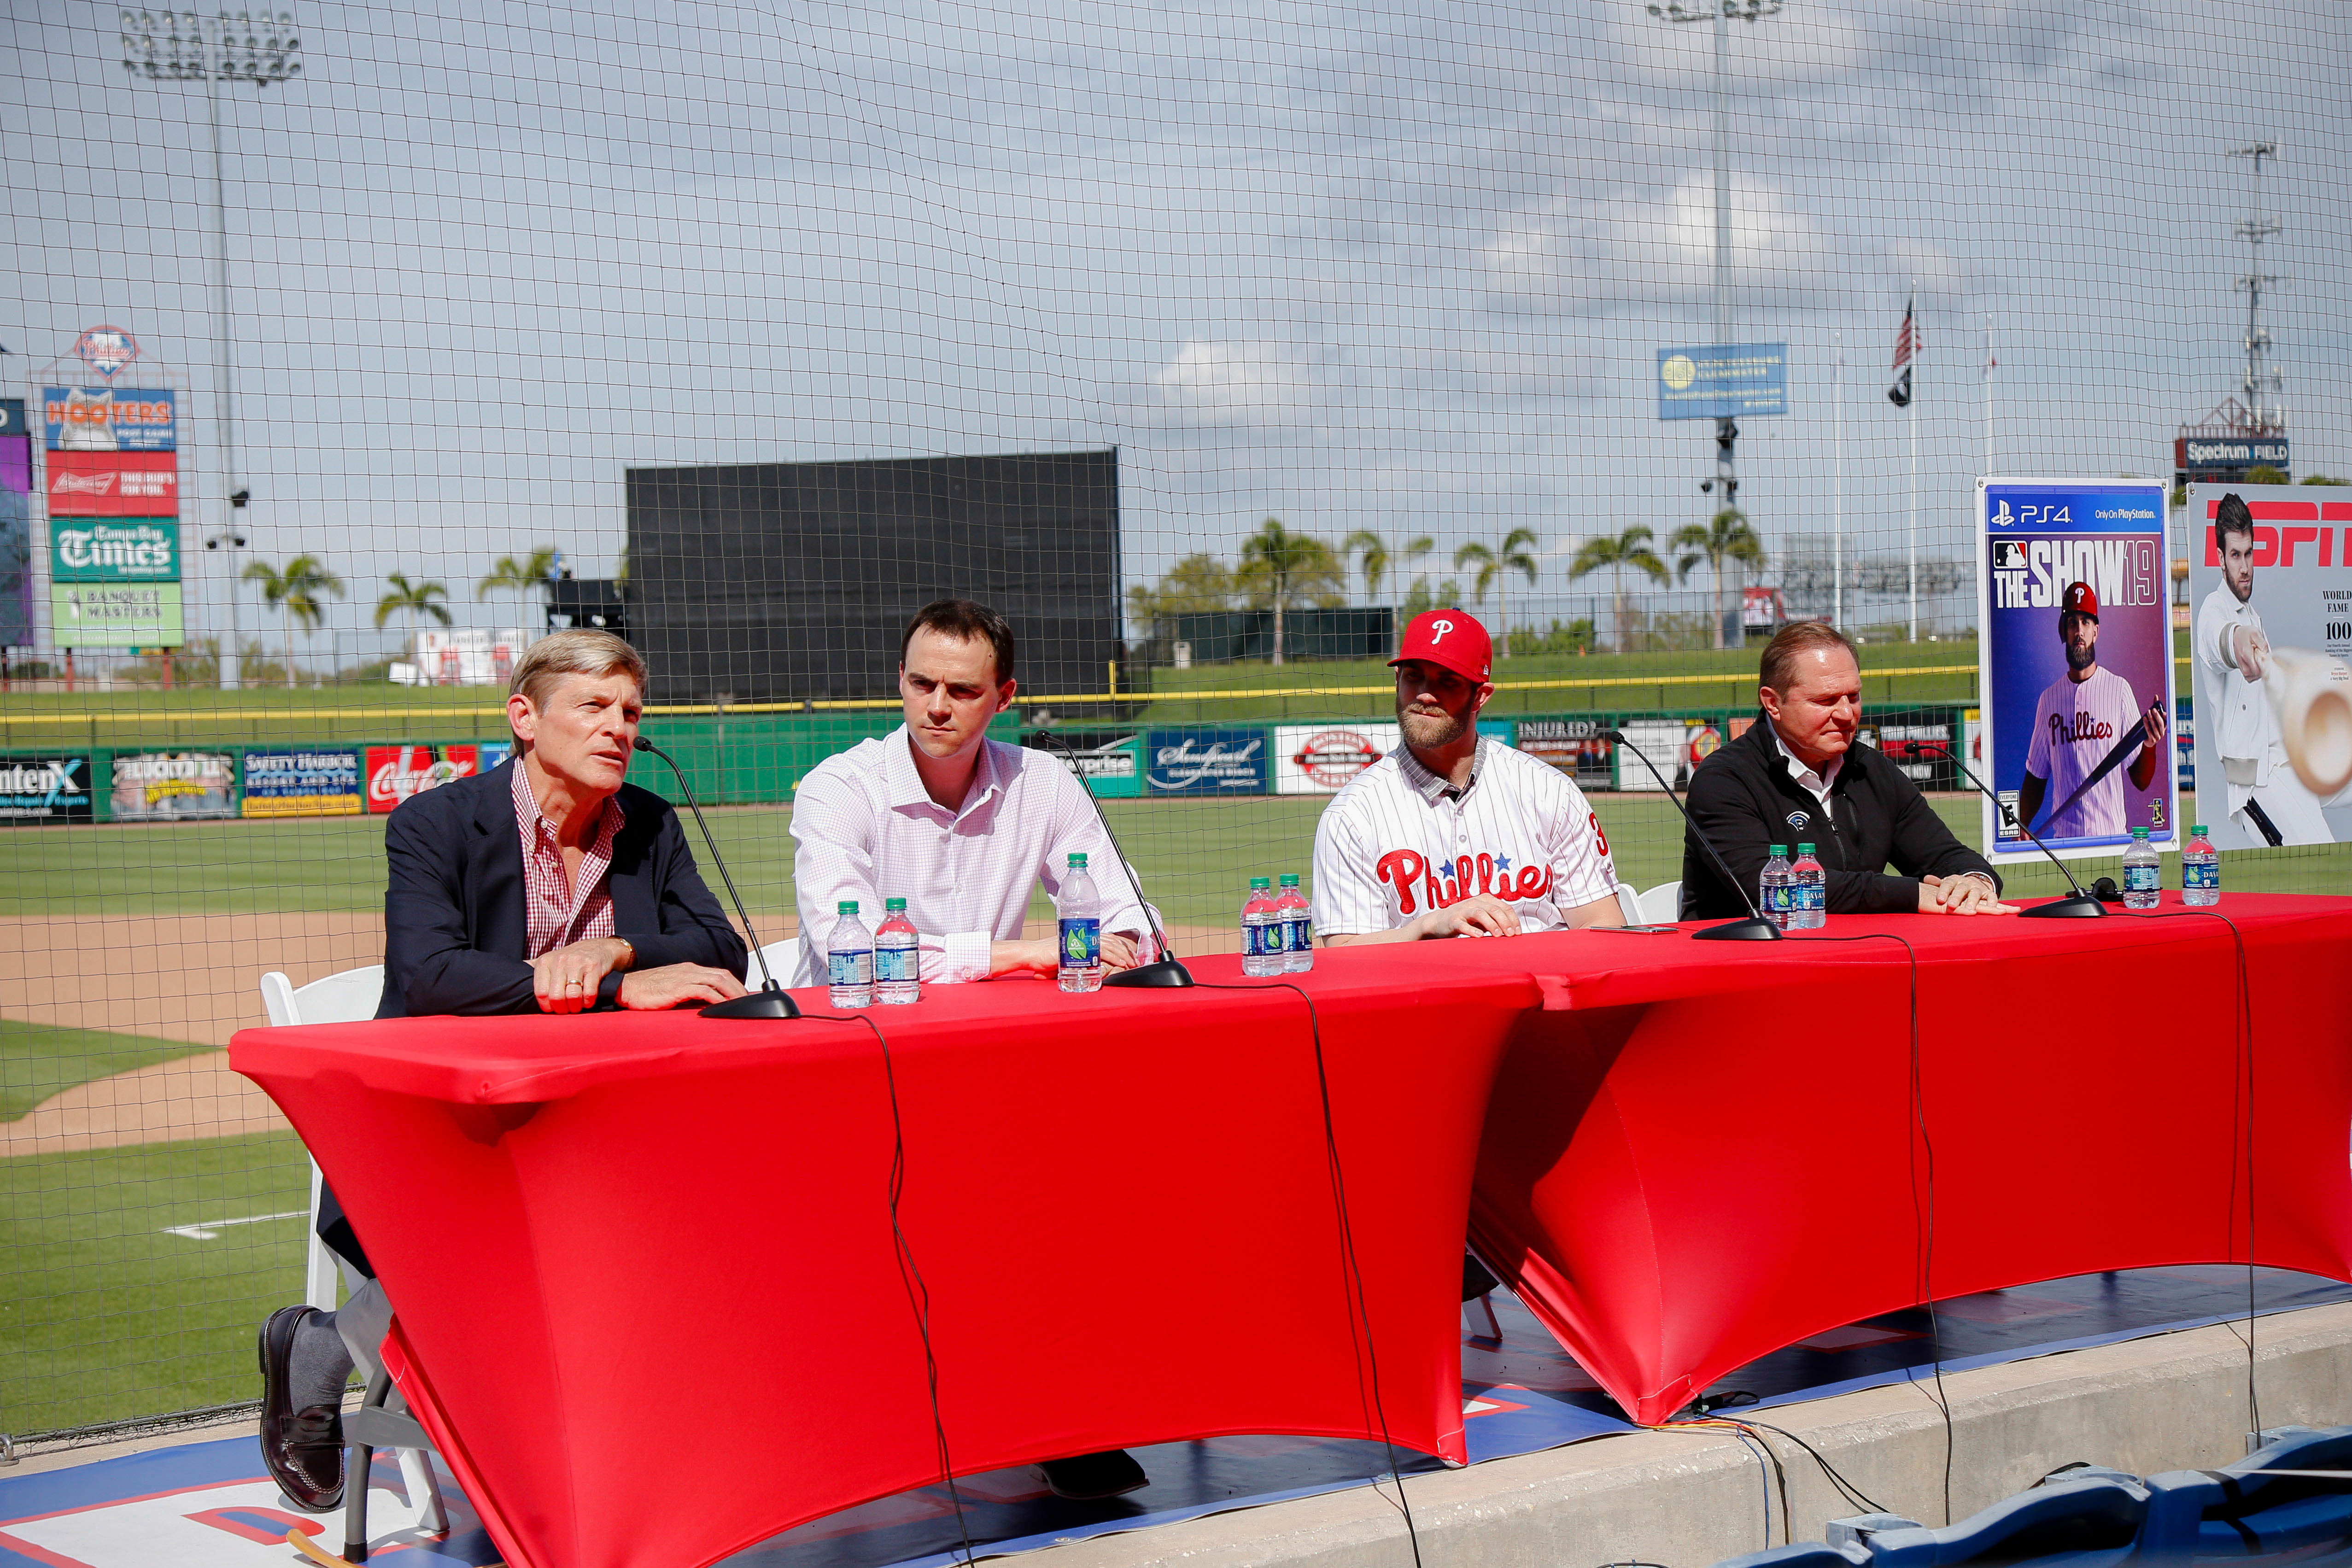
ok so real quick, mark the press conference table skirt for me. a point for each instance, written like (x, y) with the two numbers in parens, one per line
(652, 1308)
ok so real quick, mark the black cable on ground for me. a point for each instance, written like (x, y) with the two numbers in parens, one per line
(1923, 1264)
(2242, 1090)
(1346, 1242)
(919, 1295)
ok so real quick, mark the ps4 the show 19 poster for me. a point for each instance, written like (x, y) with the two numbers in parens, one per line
(2075, 665)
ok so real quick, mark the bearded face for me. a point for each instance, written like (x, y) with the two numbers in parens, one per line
(1435, 707)
(2082, 636)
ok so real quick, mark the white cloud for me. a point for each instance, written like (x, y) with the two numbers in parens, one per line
(1247, 383)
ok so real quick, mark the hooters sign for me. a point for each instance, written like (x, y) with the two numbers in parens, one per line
(396, 773)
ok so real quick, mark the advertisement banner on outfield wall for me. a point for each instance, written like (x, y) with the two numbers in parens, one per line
(2075, 664)
(1109, 761)
(1320, 759)
(1205, 762)
(15, 528)
(114, 484)
(1668, 744)
(396, 773)
(173, 786)
(2270, 652)
(1918, 744)
(46, 789)
(1574, 746)
(302, 783)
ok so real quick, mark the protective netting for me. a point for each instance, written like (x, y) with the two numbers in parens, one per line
(361, 345)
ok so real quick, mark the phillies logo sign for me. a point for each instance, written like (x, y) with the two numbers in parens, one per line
(1443, 883)
(2085, 727)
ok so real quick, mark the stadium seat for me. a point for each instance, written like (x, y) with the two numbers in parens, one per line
(2066, 1524)
(1663, 905)
(1803, 1554)
(348, 997)
(2246, 1510)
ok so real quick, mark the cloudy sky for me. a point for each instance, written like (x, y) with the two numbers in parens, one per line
(1375, 264)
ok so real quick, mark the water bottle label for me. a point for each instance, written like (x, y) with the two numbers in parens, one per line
(2205, 876)
(2139, 879)
(1081, 943)
(1779, 900)
(894, 965)
(1298, 936)
(855, 970)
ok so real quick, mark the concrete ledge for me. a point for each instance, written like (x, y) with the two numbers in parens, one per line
(1690, 1499)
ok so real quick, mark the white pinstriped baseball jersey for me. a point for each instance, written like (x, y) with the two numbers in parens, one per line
(1398, 840)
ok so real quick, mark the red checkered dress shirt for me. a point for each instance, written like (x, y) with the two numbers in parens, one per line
(557, 915)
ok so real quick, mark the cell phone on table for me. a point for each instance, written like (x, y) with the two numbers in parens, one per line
(1638, 931)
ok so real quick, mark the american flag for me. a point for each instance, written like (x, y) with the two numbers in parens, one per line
(1906, 345)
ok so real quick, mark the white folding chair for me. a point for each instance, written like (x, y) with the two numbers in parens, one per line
(1629, 904)
(783, 958)
(349, 997)
(1662, 905)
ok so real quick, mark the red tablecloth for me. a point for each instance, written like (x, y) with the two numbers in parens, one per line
(646, 1266)
(1703, 1153)
(643, 1268)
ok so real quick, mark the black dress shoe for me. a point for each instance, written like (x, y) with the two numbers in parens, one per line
(303, 1448)
(1091, 1478)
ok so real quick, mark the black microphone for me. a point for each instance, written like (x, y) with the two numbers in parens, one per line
(1755, 928)
(771, 1000)
(2077, 903)
(1165, 973)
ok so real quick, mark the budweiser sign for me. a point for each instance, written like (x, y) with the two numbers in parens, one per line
(396, 772)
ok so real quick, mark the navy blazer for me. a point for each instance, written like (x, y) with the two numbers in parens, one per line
(455, 931)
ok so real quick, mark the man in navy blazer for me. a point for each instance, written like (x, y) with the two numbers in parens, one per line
(548, 885)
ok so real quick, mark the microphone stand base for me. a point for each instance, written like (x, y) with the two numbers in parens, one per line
(1165, 976)
(1754, 928)
(2073, 905)
(755, 1005)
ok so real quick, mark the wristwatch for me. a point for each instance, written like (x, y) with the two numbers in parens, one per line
(628, 953)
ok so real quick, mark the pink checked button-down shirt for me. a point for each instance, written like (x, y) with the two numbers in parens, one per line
(556, 914)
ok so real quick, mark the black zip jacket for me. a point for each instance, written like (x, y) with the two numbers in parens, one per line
(1744, 801)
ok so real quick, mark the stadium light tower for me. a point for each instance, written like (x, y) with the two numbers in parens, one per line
(2265, 384)
(1722, 13)
(263, 49)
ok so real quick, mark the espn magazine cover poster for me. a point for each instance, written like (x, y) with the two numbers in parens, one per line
(2270, 597)
(2075, 665)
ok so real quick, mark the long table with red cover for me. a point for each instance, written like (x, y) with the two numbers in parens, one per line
(651, 1307)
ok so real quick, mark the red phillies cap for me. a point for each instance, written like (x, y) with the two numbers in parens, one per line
(1450, 638)
(2080, 601)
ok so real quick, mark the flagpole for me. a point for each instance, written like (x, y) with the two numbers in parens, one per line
(1987, 394)
(1912, 569)
(1837, 535)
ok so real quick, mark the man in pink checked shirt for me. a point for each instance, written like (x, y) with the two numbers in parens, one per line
(960, 827)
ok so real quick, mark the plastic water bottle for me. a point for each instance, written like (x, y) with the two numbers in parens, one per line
(2200, 871)
(898, 957)
(2142, 872)
(1297, 926)
(1081, 912)
(1778, 887)
(1261, 932)
(1813, 892)
(850, 960)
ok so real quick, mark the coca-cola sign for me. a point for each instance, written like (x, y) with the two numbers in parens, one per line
(396, 772)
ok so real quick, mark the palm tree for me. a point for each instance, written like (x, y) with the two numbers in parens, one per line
(299, 591)
(1279, 567)
(1716, 544)
(1631, 547)
(1371, 555)
(1493, 568)
(416, 600)
(518, 576)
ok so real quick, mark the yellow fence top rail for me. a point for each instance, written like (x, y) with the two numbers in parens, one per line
(835, 705)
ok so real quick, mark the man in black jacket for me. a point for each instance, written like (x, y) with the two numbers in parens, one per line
(547, 885)
(1797, 775)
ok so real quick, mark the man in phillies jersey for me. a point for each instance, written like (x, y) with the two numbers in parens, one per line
(1450, 834)
(2082, 718)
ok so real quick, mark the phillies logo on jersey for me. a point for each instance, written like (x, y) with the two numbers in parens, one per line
(1444, 883)
(2083, 728)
